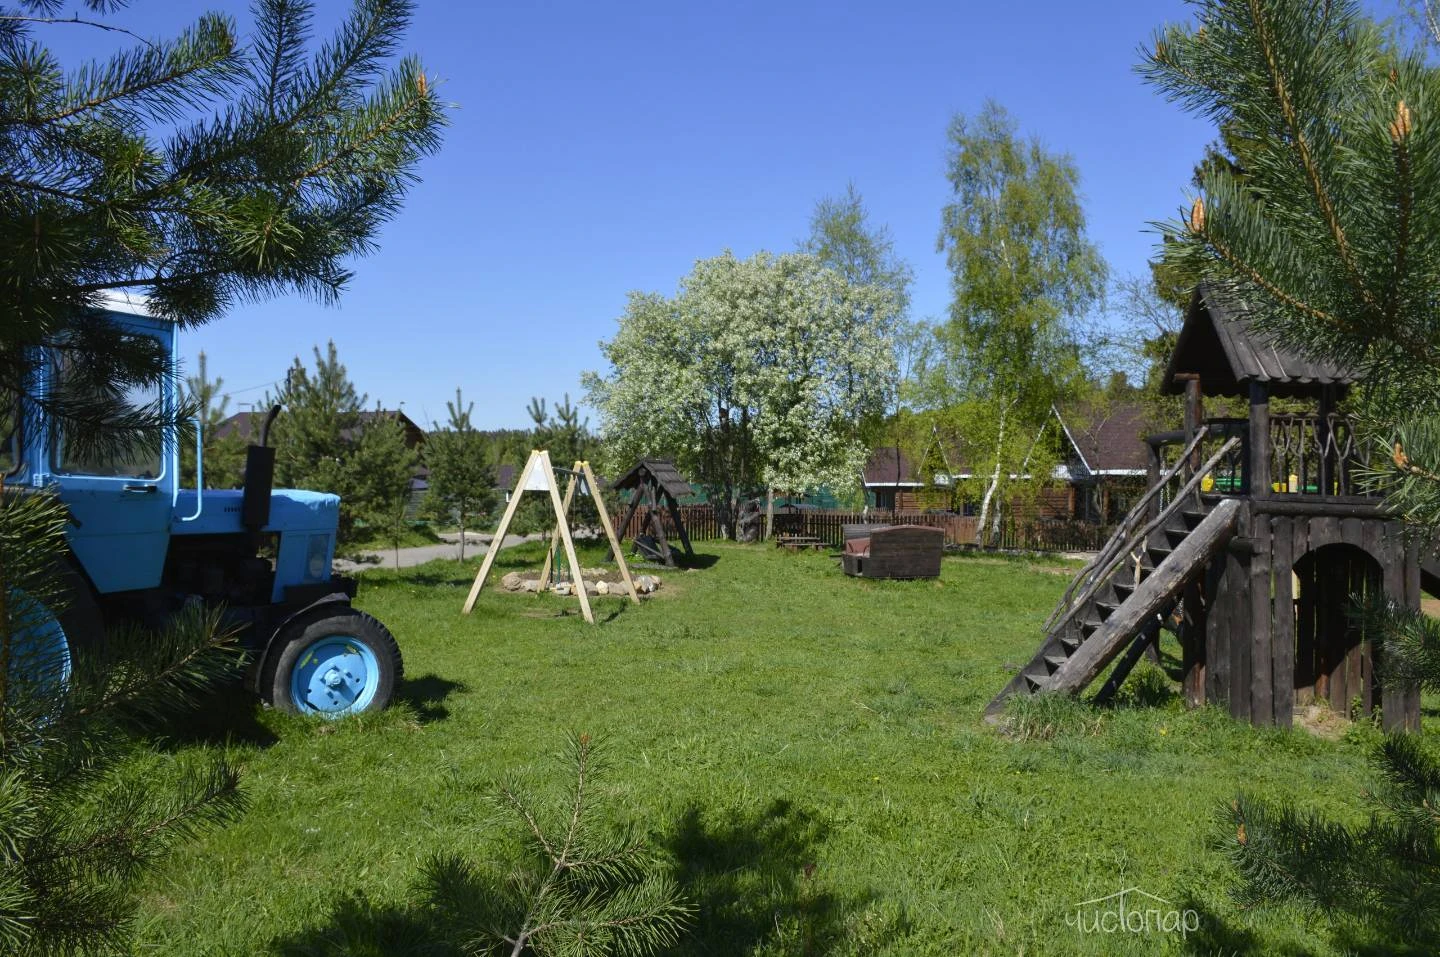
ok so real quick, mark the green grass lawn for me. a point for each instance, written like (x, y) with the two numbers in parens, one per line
(805, 751)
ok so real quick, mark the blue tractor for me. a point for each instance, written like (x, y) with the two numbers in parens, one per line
(142, 547)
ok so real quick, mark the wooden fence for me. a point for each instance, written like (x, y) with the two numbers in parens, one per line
(1041, 535)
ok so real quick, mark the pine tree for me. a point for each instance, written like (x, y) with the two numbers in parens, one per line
(462, 484)
(580, 888)
(1331, 233)
(199, 171)
(376, 474)
(316, 430)
(224, 456)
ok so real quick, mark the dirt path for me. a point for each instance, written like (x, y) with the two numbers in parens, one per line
(475, 544)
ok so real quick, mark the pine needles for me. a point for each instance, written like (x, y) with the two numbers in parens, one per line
(581, 887)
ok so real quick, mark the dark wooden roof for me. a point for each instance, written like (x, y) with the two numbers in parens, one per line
(663, 471)
(889, 466)
(1108, 436)
(1220, 343)
(246, 424)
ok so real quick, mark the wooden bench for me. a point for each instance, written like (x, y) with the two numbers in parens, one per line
(795, 543)
(898, 551)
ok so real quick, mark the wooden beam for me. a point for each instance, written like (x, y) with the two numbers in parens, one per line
(1282, 626)
(500, 531)
(1259, 443)
(575, 576)
(1163, 585)
(1261, 643)
(555, 536)
(584, 467)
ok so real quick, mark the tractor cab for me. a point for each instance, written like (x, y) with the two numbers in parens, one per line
(141, 546)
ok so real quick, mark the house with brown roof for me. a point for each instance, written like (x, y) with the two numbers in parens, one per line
(1102, 459)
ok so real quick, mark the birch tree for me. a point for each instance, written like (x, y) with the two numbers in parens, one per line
(752, 375)
(1022, 271)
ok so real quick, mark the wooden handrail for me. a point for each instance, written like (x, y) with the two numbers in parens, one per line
(1121, 534)
(1123, 553)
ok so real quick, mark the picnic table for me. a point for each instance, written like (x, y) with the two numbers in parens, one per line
(795, 543)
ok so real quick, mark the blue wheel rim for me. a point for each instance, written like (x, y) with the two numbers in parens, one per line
(335, 675)
(39, 651)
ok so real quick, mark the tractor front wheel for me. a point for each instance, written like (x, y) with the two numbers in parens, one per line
(341, 664)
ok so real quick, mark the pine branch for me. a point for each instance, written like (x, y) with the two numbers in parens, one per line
(110, 27)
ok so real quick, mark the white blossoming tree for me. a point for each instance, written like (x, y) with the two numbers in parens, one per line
(753, 375)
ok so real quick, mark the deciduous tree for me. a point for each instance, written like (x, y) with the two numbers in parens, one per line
(1022, 271)
(753, 375)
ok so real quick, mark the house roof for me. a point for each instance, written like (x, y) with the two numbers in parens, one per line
(1220, 343)
(1109, 437)
(247, 424)
(505, 475)
(662, 471)
(888, 467)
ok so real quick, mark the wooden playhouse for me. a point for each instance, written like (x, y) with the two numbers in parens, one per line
(1250, 541)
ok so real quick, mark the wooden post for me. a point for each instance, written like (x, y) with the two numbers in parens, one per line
(1152, 478)
(1324, 438)
(584, 468)
(500, 531)
(555, 538)
(1261, 644)
(1194, 416)
(1282, 628)
(1259, 463)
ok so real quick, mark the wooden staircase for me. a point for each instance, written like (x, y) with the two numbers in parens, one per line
(1122, 596)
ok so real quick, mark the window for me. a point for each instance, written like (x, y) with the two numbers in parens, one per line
(9, 443)
(140, 463)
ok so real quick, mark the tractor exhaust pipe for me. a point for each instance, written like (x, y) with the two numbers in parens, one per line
(259, 478)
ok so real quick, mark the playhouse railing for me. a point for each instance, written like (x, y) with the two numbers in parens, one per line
(1316, 455)
(1158, 500)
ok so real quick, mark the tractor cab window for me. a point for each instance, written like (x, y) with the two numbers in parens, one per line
(9, 443)
(141, 463)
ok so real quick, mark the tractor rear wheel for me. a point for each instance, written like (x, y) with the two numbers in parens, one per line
(344, 663)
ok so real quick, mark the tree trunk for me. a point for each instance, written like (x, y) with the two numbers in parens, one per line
(769, 512)
(994, 481)
(462, 536)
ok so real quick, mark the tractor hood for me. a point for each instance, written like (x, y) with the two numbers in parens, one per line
(291, 510)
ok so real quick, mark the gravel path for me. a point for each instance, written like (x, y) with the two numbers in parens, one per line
(475, 544)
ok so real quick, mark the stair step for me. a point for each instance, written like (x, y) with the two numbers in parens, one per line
(1055, 661)
(1033, 683)
(1090, 626)
(1123, 590)
(1194, 517)
(1159, 553)
(1177, 535)
(1106, 608)
(1071, 642)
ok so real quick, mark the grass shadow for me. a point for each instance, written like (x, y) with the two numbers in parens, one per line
(229, 715)
(357, 926)
(426, 696)
(753, 880)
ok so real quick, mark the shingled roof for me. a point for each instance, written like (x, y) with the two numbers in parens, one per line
(1219, 342)
(665, 474)
(889, 466)
(1108, 437)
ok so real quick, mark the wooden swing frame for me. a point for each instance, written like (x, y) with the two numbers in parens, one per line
(539, 475)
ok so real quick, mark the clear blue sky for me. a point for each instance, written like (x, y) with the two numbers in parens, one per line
(600, 148)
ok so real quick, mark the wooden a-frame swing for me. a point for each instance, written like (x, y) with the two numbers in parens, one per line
(538, 475)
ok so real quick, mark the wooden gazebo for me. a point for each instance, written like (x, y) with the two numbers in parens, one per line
(659, 486)
(1253, 537)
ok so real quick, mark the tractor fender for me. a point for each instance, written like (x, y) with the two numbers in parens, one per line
(317, 609)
